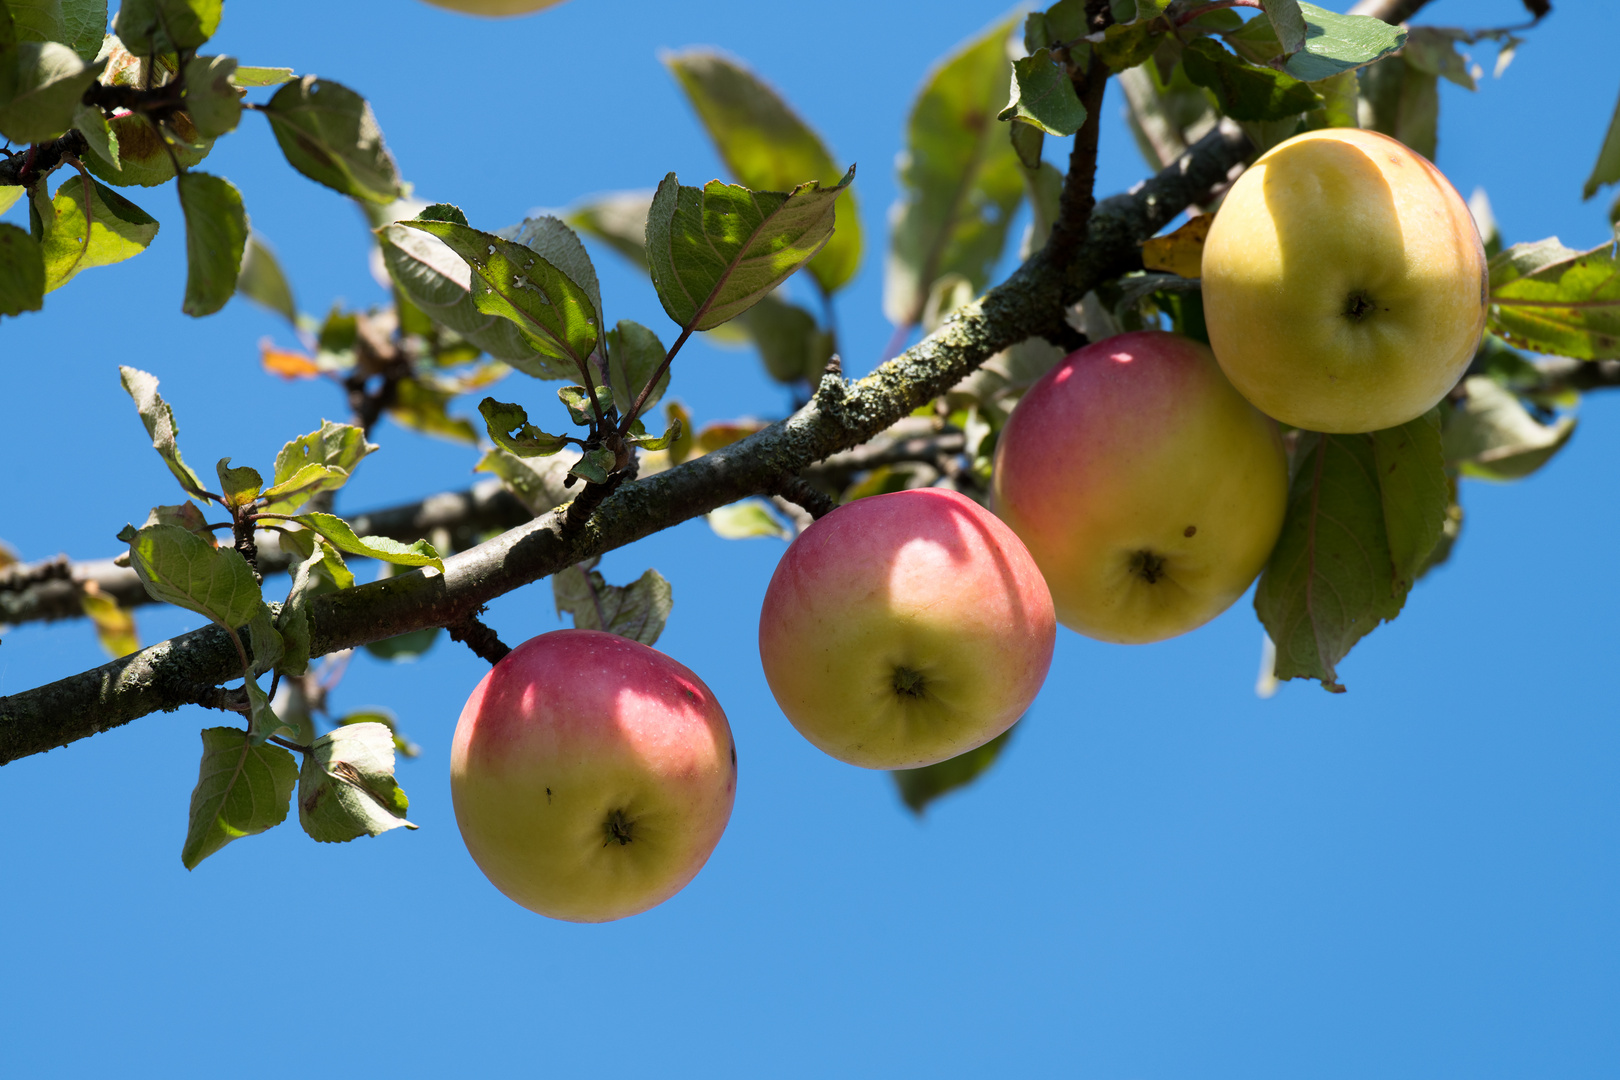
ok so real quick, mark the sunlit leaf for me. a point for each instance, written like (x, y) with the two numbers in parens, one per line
(118, 230)
(241, 790)
(329, 134)
(336, 530)
(1181, 252)
(1335, 43)
(179, 567)
(160, 425)
(1043, 96)
(1246, 92)
(166, 26)
(768, 147)
(715, 251)
(1549, 299)
(746, 519)
(347, 789)
(509, 429)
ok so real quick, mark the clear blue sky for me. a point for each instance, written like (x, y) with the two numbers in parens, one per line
(1165, 877)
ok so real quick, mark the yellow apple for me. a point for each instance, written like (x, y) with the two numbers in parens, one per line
(591, 775)
(1149, 492)
(1344, 283)
(495, 7)
(904, 629)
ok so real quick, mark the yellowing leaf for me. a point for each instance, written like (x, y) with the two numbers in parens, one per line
(287, 363)
(1181, 252)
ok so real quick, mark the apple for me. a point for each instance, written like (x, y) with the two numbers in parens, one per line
(1149, 492)
(904, 629)
(591, 775)
(495, 7)
(1344, 283)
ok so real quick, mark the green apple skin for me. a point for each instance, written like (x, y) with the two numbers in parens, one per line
(591, 775)
(904, 629)
(1148, 490)
(495, 7)
(1344, 284)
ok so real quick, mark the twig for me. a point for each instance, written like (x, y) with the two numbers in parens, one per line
(818, 504)
(474, 633)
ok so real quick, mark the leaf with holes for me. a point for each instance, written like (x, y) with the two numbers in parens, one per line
(960, 179)
(241, 790)
(347, 788)
(339, 446)
(555, 316)
(637, 611)
(1364, 514)
(768, 147)
(509, 428)
(715, 251)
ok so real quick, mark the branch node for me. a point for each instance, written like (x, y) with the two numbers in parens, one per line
(477, 636)
(818, 504)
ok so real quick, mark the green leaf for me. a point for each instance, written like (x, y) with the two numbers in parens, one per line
(179, 567)
(347, 789)
(241, 790)
(212, 100)
(619, 220)
(715, 251)
(960, 180)
(509, 429)
(261, 76)
(1364, 513)
(9, 194)
(578, 402)
(1124, 47)
(77, 23)
(118, 230)
(919, 787)
(1402, 102)
(160, 425)
(333, 574)
(768, 147)
(403, 647)
(1043, 96)
(550, 238)
(634, 353)
(746, 519)
(239, 486)
(538, 484)
(329, 134)
(554, 315)
(186, 515)
(22, 271)
(1288, 22)
(144, 154)
(638, 436)
(1335, 43)
(637, 611)
(791, 345)
(1607, 169)
(51, 78)
(375, 715)
(166, 26)
(262, 719)
(338, 447)
(1029, 143)
(336, 530)
(594, 465)
(1549, 299)
(268, 648)
(1433, 51)
(1246, 92)
(1490, 435)
(439, 282)
(262, 281)
(216, 236)
(92, 123)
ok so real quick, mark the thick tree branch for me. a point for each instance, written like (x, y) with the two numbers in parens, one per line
(1031, 302)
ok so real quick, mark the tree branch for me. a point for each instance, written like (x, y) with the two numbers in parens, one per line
(1391, 11)
(172, 673)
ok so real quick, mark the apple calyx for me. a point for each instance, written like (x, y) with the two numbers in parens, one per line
(618, 827)
(908, 683)
(1149, 566)
(1359, 306)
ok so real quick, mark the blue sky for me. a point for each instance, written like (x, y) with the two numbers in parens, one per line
(1164, 876)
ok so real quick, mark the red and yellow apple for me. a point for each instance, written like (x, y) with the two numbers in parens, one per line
(591, 775)
(1344, 283)
(495, 7)
(1148, 491)
(904, 629)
